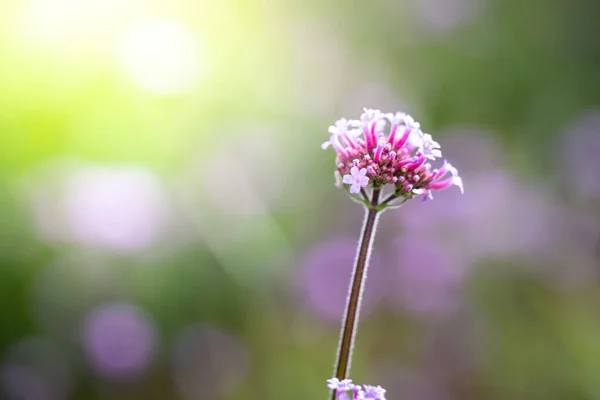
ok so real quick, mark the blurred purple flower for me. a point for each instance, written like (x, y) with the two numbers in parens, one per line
(580, 151)
(35, 369)
(371, 393)
(366, 392)
(116, 208)
(119, 340)
(207, 363)
(325, 275)
(482, 224)
(427, 276)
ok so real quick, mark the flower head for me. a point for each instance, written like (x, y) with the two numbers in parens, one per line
(358, 393)
(372, 393)
(340, 386)
(369, 157)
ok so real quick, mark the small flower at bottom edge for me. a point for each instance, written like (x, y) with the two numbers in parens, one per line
(342, 386)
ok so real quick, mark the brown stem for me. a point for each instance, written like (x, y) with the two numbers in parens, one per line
(349, 325)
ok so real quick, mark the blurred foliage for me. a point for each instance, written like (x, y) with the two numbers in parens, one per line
(244, 191)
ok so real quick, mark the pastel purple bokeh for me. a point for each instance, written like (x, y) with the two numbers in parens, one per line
(324, 276)
(120, 208)
(115, 208)
(119, 341)
(208, 363)
(425, 277)
(35, 369)
(498, 216)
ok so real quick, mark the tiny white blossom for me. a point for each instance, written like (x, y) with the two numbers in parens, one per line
(429, 147)
(369, 116)
(410, 122)
(341, 386)
(337, 129)
(356, 179)
(457, 181)
(449, 168)
(396, 119)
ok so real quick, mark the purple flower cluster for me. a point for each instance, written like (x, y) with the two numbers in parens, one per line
(365, 392)
(366, 155)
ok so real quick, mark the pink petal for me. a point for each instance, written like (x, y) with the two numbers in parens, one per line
(364, 181)
(348, 179)
(355, 188)
(354, 171)
(362, 172)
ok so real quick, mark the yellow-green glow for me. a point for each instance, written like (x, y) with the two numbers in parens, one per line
(160, 56)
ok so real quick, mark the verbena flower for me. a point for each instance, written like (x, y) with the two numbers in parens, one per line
(367, 156)
(371, 393)
(356, 179)
(340, 386)
(365, 392)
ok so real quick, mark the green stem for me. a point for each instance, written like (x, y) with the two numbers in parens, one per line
(359, 277)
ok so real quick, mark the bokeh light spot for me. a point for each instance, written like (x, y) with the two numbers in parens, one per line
(119, 340)
(160, 56)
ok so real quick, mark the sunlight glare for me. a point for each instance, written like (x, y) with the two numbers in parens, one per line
(160, 56)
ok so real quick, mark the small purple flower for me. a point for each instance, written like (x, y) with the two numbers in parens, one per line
(372, 393)
(429, 147)
(340, 386)
(357, 179)
(358, 393)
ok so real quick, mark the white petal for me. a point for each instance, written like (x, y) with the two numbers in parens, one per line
(325, 145)
(362, 172)
(448, 167)
(355, 188)
(354, 133)
(410, 122)
(364, 181)
(354, 171)
(457, 180)
(348, 179)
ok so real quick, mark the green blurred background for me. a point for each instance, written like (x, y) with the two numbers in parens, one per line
(169, 227)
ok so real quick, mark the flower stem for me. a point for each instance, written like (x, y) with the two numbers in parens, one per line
(357, 284)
